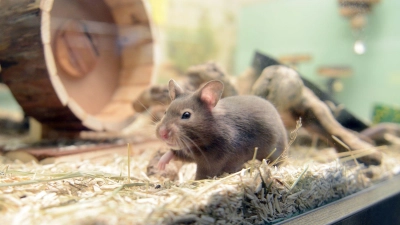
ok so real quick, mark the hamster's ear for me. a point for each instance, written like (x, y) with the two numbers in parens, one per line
(174, 89)
(211, 92)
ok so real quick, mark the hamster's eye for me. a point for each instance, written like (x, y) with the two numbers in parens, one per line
(186, 115)
(165, 112)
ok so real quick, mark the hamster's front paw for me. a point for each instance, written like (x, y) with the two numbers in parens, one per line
(157, 167)
(164, 160)
(161, 165)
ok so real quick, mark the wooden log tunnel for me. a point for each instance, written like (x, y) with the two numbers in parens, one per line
(76, 64)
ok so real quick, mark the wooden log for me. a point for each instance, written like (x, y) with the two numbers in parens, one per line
(20, 31)
(27, 77)
(68, 62)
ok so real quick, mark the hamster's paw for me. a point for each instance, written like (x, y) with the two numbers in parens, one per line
(161, 165)
(164, 160)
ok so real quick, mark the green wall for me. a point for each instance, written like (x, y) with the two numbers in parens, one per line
(315, 27)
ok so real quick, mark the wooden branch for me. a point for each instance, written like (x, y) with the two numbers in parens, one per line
(283, 87)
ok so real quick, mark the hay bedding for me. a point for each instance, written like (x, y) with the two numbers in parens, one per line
(98, 192)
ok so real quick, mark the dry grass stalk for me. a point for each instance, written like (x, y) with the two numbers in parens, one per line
(301, 175)
(346, 147)
(343, 154)
(253, 161)
(129, 162)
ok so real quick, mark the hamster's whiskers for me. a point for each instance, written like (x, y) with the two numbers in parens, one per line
(161, 103)
(185, 146)
(147, 110)
(198, 148)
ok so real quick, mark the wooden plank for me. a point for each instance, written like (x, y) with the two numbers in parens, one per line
(134, 35)
(133, 56)
(118, 125)
(116, 110)
(128, 93)
(140, 75)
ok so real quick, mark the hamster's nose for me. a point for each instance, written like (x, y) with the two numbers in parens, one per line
(164, 133)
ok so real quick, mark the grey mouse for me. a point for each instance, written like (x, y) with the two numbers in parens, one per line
(219, 135)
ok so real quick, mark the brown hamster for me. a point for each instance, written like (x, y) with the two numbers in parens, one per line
(219, 135)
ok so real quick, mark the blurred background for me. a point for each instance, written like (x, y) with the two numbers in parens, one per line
(311, 35)
(348, 48)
